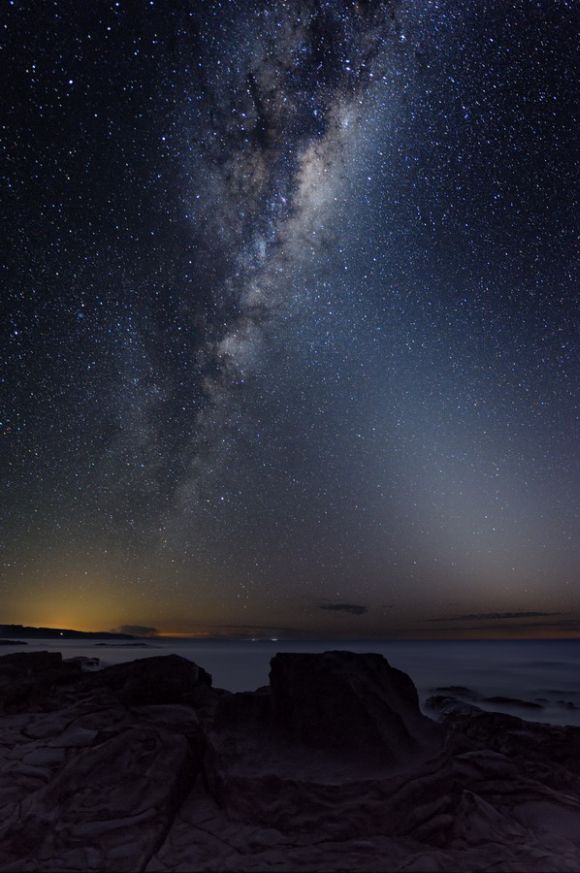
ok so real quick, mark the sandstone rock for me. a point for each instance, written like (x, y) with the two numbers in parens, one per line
(28, 680)
(145, 766)
(349, 704)
(94, 787)
(29, 663)
(117, 797)
(162, 680)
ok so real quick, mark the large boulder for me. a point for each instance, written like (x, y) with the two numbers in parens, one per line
(349, 704)
(29, 663)
(158, 680)
(278, 754)
(33, 680)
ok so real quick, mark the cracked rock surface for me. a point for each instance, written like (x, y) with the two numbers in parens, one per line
(144, 766)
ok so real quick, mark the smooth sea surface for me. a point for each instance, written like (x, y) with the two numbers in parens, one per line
(546, 669)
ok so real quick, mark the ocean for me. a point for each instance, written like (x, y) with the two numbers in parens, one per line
(545, 672)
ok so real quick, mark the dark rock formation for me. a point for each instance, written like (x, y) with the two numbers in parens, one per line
(350, 705)
(84, 662)
(453, 691)
(457, 691)
(29, 663)
(145, 766)
(29, 679)
(444, 705)
(157, 680)
(568, 704)
(512, 701)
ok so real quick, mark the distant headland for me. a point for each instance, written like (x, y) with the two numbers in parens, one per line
(22, 631)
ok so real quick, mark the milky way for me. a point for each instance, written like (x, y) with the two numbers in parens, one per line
(275, 151)
(291, 341)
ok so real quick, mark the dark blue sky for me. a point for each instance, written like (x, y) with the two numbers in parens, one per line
(291, 336)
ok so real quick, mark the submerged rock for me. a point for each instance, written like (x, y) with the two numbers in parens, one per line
(513, 701)
(457, 691)
(445, 705)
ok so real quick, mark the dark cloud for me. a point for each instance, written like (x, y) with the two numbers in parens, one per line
(138, 630)
(495, 616)
(570, 625)
(351, 608)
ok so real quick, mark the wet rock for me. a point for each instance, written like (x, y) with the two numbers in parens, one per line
(445, 705)
(512, 701)
(456, 691)
(83, 662)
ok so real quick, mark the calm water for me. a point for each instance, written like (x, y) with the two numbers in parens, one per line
(525, 670)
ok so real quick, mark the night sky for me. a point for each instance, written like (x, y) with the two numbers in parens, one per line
(290, 333)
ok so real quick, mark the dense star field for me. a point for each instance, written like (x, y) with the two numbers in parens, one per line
(290, 334)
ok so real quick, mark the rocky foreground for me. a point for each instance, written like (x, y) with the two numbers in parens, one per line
(145, 767)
